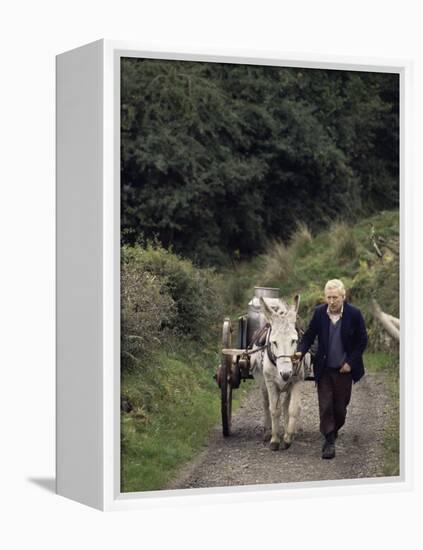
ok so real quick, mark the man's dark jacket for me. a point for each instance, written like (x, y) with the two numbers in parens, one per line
(353, 335)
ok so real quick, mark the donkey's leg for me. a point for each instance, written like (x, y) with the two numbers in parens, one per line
(267, 432)
(294, 409)
(285, 409)
(286, 405)
(275, 413)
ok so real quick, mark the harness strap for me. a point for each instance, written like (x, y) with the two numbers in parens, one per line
(272, 357)
(258, 335)
(250, 352)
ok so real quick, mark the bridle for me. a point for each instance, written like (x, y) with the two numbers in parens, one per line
(273, 358)
(261, 348)
(267, 346)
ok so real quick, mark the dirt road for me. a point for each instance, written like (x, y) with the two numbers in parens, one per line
(243, 458)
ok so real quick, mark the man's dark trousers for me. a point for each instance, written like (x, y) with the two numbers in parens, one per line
(334, 393)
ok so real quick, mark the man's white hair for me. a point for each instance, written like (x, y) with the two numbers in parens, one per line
(335, 284)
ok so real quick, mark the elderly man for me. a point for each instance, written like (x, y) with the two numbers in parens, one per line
(342, 339)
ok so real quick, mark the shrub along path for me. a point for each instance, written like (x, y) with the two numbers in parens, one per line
(243, 458)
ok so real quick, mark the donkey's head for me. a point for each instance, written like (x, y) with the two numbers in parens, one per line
(283, 337)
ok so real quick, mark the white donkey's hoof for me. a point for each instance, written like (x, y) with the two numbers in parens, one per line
(285, 445)
(267, 435)
(274, 445)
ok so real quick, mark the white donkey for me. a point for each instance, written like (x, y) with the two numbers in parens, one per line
(279, 377)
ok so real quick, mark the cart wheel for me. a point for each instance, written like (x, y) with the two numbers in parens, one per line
(226, 379)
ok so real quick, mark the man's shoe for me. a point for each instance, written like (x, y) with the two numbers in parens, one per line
(328, 450)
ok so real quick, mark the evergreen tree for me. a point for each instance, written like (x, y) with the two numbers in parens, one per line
(217, 158)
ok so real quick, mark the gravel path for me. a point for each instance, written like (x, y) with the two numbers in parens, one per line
(243, 458)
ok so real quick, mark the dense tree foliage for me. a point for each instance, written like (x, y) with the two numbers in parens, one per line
(218, 158)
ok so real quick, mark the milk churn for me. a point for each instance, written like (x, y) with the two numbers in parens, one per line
(255, 318)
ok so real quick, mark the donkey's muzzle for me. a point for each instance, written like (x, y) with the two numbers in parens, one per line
(285, 376)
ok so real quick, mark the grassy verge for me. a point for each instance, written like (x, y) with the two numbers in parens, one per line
(175, 402)
(344, 252)
(388, 365)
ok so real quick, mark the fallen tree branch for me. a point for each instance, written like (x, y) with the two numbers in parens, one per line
(389, 323)
(374, 243)
(394, 320)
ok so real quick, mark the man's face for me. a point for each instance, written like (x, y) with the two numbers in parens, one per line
(334, 299)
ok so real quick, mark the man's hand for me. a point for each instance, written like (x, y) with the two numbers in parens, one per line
(345, 368)
(297, 356)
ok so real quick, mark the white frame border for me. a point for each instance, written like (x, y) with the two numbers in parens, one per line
(112, 498)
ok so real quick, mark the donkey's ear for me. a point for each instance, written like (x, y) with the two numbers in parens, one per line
(265, 309)
(297, 299)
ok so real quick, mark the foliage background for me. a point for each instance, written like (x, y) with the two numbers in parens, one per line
(218, 158)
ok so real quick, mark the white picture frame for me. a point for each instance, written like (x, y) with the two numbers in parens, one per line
(88, 279)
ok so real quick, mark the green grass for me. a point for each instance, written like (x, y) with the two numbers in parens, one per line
(388, 365)
(175, 403)
(342, 252)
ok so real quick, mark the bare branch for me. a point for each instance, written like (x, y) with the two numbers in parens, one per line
(374, 243)
(386, 321)
(394, 320)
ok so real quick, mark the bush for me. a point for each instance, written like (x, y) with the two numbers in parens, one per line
(146, 310)
(194, 292)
